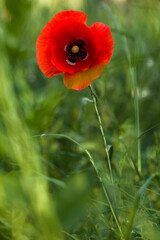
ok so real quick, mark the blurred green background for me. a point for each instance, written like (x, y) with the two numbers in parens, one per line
(48, 187)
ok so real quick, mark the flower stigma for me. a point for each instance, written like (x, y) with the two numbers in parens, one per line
(75, 49)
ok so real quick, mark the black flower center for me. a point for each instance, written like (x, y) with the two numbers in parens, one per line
(75, 51)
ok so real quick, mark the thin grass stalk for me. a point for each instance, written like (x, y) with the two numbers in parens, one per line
(133, 78)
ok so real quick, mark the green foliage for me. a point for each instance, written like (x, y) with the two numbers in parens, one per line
(54, 175)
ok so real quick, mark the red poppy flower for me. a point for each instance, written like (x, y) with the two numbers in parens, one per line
(67, 45)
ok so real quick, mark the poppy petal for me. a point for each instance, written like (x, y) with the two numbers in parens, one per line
(71, 15)
(106, 40)
(43, 45)
(82, 79)
(64, 36)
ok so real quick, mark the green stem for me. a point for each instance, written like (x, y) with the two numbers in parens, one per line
(94, 96)
(95, 99)
(113, 213)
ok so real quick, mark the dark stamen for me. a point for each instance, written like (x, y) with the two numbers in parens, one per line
(81, 43)
(81, 54)
(72, 60)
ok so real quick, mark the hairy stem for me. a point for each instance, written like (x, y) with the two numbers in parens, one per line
(94, 97)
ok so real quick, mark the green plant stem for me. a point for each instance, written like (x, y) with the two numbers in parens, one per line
(94, 97)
